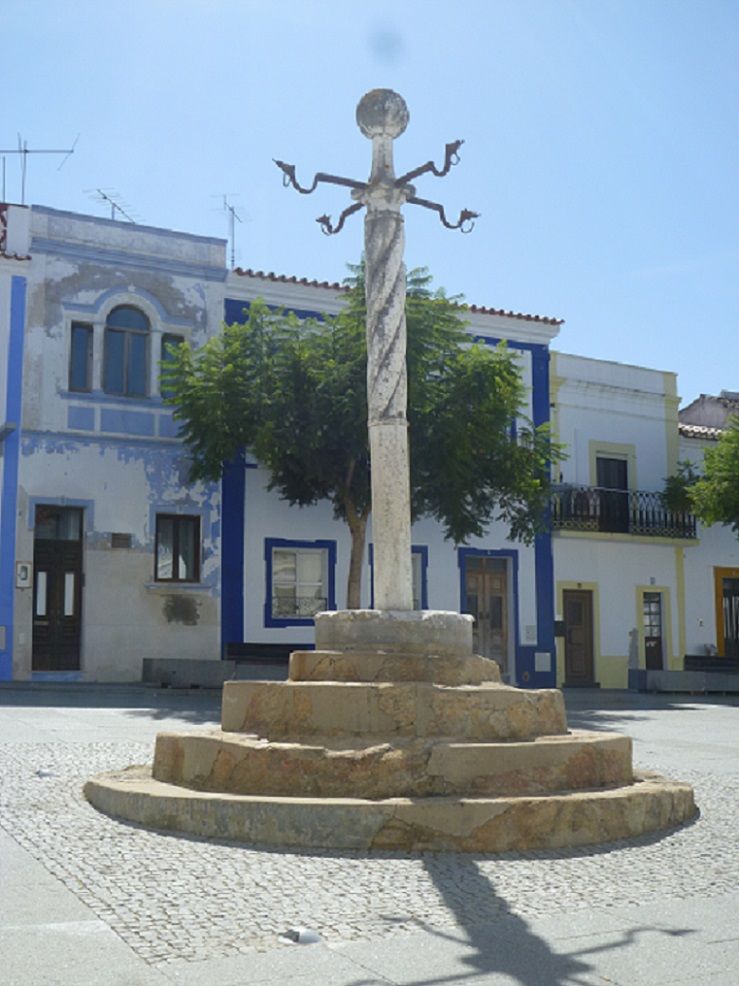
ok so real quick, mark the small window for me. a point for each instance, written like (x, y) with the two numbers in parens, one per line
(169, 340)
(126, 354)
(80, 359)
(300, 581)
(177, 548)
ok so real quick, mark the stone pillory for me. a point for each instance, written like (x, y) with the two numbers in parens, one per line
(382, 116)
(393, 733)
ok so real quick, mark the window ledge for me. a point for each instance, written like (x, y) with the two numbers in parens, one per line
(166, 588)
(100, 397)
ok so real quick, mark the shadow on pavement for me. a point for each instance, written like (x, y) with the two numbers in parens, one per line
(501, 941)
(208, 715)
(197, 705)
(595, 709)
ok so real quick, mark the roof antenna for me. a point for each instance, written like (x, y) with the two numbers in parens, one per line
(233, 216)
(106, 195)
(23, 150)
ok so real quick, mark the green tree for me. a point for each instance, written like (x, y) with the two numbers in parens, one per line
(294, 393)
(715, 495)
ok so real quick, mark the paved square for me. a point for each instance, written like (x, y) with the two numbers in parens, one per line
(180, 910)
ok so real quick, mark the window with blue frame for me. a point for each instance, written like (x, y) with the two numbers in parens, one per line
(80, 357)
(300, 580)
(169, 342)
(126, 352)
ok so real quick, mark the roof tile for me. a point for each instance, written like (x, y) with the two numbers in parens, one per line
(334, 285)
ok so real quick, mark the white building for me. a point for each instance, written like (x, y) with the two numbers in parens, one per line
(108, 555)
(712, 587)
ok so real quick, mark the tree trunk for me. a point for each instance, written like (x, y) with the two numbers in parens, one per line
(358, 526)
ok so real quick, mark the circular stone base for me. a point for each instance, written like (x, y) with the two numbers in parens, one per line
(322, 665)
(446, 824)
(431, 632)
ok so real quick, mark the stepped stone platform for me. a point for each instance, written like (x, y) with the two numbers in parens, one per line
(392, 734)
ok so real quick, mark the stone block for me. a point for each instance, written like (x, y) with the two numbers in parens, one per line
(431, 632)
(240, 764)
(321, 665)
(475, 712)
(419, 824)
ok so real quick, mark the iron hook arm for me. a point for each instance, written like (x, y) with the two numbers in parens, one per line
(288, 178)
(326, 225)
(466, 220)
(451, 157)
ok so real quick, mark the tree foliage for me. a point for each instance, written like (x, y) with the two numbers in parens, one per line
(715, 494)
(294, 393)
(676, 494)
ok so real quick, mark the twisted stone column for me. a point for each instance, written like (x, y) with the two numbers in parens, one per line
(382, 115)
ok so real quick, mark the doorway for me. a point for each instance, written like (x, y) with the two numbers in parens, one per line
(57, 588)
(653, 635)
(612, 480)
(486, 599)
(730, 613)
(577, 605)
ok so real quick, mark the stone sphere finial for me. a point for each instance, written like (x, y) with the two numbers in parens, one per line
(382, 113)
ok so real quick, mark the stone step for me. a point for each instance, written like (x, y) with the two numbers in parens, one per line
(419, 824)
(486, 712)
(239, 764)
(326, 665)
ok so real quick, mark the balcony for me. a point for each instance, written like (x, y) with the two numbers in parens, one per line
(636, 512)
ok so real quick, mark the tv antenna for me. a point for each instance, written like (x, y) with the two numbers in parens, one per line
(107, 195)
(23, 150)
(233, 218)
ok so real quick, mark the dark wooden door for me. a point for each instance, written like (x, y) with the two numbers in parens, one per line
(578, 619)
(730, 600)
(613, 484)
(57, 589)
(652, 613)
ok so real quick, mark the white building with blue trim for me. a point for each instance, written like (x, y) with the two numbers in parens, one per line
(109, 555)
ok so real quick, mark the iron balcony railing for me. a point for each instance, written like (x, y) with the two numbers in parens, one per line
(592, 508)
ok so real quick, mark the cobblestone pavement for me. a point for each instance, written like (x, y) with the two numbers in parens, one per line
(170, 897)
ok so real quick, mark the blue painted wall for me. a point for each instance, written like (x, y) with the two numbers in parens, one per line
(11, 455)
(233, 510)
(526, 672)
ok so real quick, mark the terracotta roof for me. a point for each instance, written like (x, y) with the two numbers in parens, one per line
(284, 279)
(482, 310)
(476, 309)
(700, 431)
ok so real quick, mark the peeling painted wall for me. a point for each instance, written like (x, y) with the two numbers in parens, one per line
(117, 458)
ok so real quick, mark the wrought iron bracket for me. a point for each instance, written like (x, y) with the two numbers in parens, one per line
(464, 224)
(288, 178)
(451, 157)
(326, 225)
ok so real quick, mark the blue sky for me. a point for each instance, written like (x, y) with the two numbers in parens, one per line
(601, 145)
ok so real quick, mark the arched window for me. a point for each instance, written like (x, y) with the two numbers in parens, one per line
(126, 353)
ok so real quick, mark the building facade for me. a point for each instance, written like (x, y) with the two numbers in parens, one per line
(109, 554)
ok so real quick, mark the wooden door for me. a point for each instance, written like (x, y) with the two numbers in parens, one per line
(613, 484)
(57, 589)
(730, 601)
(579, 655)
(486, 588)
(653, 635)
